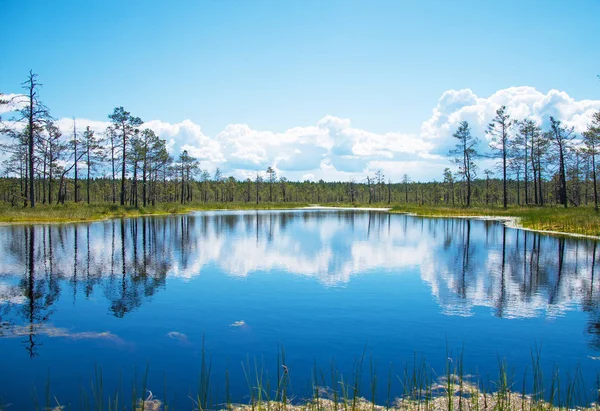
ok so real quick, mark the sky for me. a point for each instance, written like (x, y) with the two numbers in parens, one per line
(317, 89)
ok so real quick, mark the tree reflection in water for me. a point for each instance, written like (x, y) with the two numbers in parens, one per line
(467, 263)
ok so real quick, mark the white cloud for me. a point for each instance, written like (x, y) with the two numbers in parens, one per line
(188, 136)
(66, 125)
(14, 102)
(419, 170)
(333, 149)
(463, 105)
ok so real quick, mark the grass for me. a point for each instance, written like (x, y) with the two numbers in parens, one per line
(574, 220)
(72, 212)
(422, 390)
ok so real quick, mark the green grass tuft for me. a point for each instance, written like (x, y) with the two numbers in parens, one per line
(422, 390)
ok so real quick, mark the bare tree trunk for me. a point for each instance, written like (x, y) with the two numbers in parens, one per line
(144, 171)
(112, 160)
(594, 178)
(182, 184)
(76, 191)
(88, 171)
(123, 165)
(30, 139)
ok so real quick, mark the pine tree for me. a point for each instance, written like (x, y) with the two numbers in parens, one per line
(561, 138)
(591, 139)
(465, 154)
(499, 130)
(125, 124)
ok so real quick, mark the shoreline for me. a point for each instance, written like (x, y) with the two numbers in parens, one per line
(319, 207)
(188, 211)
(509, 221)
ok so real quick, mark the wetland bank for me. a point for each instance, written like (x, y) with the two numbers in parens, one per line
(217, 295)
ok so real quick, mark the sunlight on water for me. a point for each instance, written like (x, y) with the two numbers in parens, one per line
(126, 293)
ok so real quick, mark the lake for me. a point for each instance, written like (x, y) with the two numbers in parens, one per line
(139, 298)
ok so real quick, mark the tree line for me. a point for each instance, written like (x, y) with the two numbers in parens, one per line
(528, 158)
(44, 165)
(128, 165)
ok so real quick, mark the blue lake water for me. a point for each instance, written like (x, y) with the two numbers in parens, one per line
(322, 285)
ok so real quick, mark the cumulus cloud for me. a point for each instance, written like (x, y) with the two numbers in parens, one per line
(333, 149)
(14, 102)
(463, 105)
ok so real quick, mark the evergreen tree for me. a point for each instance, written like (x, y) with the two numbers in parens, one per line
(465, 154)
(591, 139)
(561, 138)
(499, 130)
(125, 124)
(93, 155)
(271, 178)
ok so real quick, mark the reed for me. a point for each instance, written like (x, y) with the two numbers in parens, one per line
(421, 389)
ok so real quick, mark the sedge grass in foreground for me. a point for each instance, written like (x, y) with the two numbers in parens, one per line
(421, 390)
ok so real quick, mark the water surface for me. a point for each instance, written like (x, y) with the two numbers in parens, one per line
(324, 285)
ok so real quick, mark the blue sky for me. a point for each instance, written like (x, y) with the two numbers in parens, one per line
(275, 66)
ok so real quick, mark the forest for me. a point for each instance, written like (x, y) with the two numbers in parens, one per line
(130, 166)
